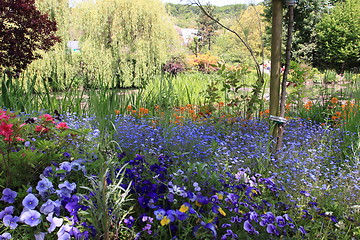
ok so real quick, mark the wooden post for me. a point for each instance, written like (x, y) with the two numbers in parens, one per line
(286, 71)
(275, 60)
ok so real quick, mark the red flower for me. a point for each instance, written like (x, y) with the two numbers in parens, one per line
(41, 129)
(62, 126)
(47, 117)
(6, 129)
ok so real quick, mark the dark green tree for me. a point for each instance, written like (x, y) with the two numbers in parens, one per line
(339, 37)
(207, 28)
(307, 14)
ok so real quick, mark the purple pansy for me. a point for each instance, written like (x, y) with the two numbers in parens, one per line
(44, 185)
(250, 228)
(30, 201)
(7, 211)
(50, 206)
(272, 229)
(31, 217)
(10, 221)
(8, 195)
(54, 222)
(5, 236)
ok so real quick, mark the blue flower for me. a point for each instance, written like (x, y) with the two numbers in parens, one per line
(50, 206)
(249, 228)
(302, 230)
(54, 222)
(44, 185)
(280, 221)
(129, 222)
(7, 211)
(30, 201)
(159, 214)
(40, 236)
(5, 236)
(272, 229)
(8, 195)
(10, 221)
(66, 189)
(30, 217)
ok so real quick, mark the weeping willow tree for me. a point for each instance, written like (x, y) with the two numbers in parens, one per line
(124, 42)
(56, 68)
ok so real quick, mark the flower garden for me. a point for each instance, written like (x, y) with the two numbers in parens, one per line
(195, 176)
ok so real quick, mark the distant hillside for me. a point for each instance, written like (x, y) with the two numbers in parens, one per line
(185, 16)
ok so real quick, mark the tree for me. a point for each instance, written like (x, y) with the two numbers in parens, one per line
(307, 14)
(206, 28)
(339, 37)
(23, 31)
(132, 38)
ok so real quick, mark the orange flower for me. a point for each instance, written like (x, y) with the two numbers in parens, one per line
(334, 100)
(129, 108)
(117, 112)
(308, 105)
(288, 106)
(143, 111)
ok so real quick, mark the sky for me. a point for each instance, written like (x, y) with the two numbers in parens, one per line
(216, 2)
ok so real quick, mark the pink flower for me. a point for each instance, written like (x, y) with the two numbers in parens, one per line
(62, 126)
(47, 118)
(3, 116)
(6, 129)
(20, 139)
(41, 129)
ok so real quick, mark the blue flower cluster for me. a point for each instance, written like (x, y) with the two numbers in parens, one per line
(50, 210)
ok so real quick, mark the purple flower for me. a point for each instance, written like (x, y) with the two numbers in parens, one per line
(48, 171)
(253, 216)
(10, 221)
(5, 236)
(66, 189)
(30, 217)
(159, 214)
(72, 206)
(40, 236)
(44, 185)
(54, 222)
(50, 206)
(65, 166)
(129, 221)
(272, 229)
(8, 195)
(249, 228)
(302, 230)
(280, 221)
(30, 201)
(7, 211)
(305, 193)
(147, 228)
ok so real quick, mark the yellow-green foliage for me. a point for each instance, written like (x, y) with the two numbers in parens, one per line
(251, 28)
(137, 34)
(123, 43)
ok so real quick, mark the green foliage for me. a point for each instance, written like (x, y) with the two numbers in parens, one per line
(307, 14)
(108, 195)
(132, 39)
(339, 37)
(206, 29)
(122, 48)
(185, 16)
